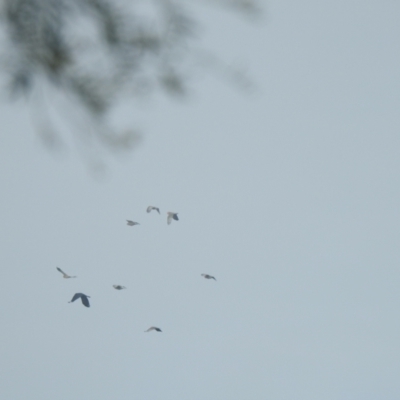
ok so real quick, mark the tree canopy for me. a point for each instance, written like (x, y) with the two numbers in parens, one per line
(97, 49)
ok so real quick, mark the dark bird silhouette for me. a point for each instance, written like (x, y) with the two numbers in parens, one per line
(66, 276)
(151, 208)
(208, 276)
(154, 328)
(171, 216)
(131, 223)
(119, 287)
(83, 297)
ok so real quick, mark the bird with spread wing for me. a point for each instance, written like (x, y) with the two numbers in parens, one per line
(119, 287)
(131, 223)
(153, 328)
(171, 216)
(206, 276)
(83, 297)
(151, 208)
(66, 276)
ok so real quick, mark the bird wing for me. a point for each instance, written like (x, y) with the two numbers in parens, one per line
(60, 270)
(85, 301)
(150, 329)
(158, 210)
(76, 296)
(128, 222)
(149, 208)
(175, 217)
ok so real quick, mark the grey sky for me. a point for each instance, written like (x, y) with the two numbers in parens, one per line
(288, 196)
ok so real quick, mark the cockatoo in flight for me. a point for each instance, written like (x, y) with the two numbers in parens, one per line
(81, 296)
(119, 287)
(153, 328)
(66, 276)
(171, 216)
(208, 276)
(131, 223)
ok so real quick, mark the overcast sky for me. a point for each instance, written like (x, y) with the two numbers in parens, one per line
(288, 195)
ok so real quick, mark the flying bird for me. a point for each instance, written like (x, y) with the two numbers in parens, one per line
(81, 296)
(208, 276)
(171, 216)
(119, 287)
(151, 208)
(66, 276)
(154, 328)
(131, 223)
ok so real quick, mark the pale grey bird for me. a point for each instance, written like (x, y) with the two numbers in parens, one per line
(66, 276)
(151, 208)
(119, 287)
(171, 216)
(208, 276)
(83, 298)
(154, 328)
(131, 223)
